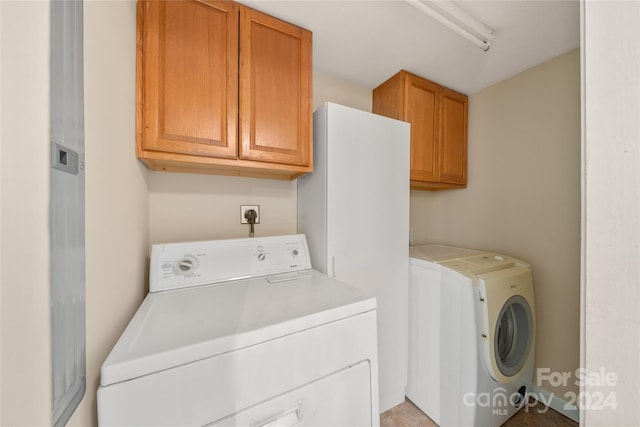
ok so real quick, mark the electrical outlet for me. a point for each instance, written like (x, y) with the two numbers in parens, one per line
(244, 209)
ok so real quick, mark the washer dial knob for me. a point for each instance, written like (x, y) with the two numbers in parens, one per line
(185, 266)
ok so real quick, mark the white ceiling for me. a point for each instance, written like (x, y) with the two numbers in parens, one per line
(367, 41)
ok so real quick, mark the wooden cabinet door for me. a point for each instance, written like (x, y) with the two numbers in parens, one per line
(422, 111)
(275, 90)
(453, 137)
(189, 82)
(438, 118)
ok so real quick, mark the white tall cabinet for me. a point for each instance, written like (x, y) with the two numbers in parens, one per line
(354, 209)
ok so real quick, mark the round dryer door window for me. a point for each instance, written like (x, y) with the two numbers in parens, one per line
(513, 335)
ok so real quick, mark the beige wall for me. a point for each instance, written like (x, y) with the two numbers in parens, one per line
(25, 373)
(523, 197)
(186, 207)
(329, 88)
(117, 199)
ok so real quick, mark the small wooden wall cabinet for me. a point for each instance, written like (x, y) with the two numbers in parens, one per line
(438, 118)
(222, 89)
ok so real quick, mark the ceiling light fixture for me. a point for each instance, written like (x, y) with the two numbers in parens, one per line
(449, 14)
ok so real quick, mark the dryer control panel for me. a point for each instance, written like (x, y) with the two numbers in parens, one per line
(181, 265)
(468, 262)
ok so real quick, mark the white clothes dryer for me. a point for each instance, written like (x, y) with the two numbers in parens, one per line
(471, 335)
(243, 332)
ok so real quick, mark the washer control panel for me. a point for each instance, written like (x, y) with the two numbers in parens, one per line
(180, 265)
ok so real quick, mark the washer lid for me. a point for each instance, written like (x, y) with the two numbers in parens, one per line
(437, 253)
(467, 262)
(176, 327)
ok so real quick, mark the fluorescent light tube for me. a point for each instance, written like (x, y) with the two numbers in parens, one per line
(457, 20)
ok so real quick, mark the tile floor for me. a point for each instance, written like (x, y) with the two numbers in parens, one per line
(409, 415)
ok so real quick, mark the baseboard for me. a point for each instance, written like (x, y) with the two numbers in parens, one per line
(551, 400)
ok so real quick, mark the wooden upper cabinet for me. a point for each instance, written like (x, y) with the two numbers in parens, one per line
(421, 109)
(222, 89)
(275, 77)
(453, 137)
(190, 77)
(438, 118)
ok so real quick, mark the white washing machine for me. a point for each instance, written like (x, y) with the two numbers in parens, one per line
(471, 335)
(243, 332)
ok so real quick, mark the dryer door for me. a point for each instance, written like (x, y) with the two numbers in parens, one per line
(513, 336)
(508, 322)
